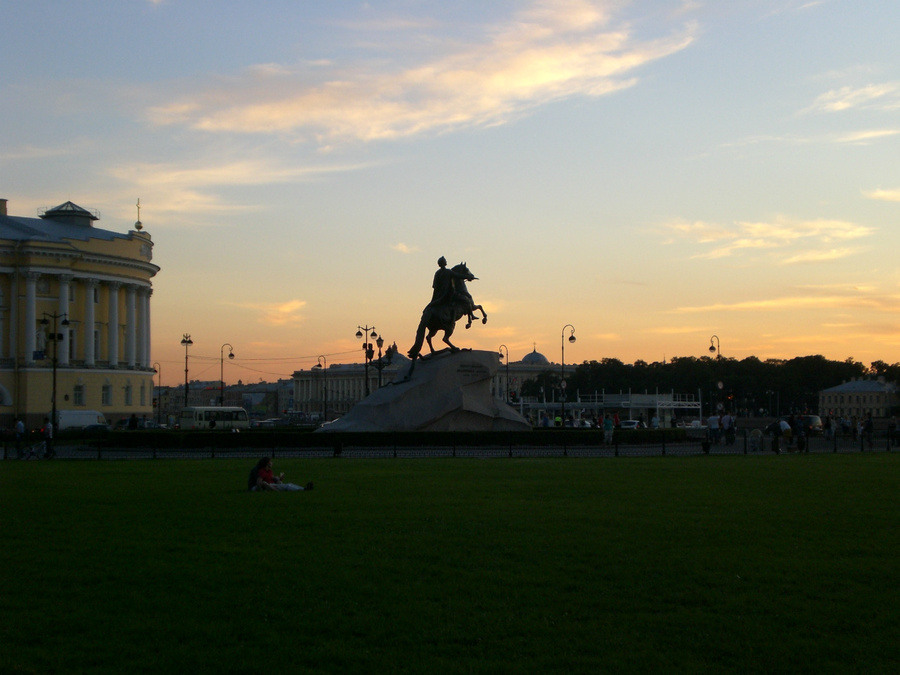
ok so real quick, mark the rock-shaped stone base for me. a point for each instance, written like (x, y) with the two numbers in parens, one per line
(446, 391)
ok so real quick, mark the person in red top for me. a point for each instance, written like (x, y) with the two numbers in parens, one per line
(263, 478)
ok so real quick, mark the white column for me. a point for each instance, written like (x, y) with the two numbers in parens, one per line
(143, 316)
(3, 320)
(62, 346)
(13, 316)
(146, 357)
(30, 316)
(113, 339)
(90, 286)
(130, 325)
(140, 320)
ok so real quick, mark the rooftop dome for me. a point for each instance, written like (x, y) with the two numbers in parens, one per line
(70, 213)
(535, 358)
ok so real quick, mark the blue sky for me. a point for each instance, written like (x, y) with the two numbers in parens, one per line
(651, 172)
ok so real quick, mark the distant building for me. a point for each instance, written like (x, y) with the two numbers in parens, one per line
(529, 368)
(330, 392)
(341, 386)
(859, 397)
(94, 286)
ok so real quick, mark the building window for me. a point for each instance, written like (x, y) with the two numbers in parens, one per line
(71, 344)
(128, 394)
(96, 345)
(71, 293)
(106, 395)
(78, 395)
(143, 394)
(96, 295)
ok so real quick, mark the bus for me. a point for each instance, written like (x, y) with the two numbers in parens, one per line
(214, 417)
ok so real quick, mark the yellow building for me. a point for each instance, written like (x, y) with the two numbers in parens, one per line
(858, 398)
(74, 308)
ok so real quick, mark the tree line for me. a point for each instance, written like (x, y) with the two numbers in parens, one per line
(749, 386)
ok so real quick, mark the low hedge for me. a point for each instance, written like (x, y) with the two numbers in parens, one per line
(298, 438)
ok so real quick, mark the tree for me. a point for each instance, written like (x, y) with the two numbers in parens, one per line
(542, 385)
(747, 385)
(878, 368)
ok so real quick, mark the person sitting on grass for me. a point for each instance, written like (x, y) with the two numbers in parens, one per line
(262, 478)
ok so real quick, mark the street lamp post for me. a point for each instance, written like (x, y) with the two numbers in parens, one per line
(158, 369)
(380, 343)
(715, 348)
(368, 351)
(56, 337)
(222, 371)
(323, 364)
(187, 342)
(562, 367)
(502, 347)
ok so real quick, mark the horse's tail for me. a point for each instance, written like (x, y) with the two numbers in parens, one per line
(420, 339)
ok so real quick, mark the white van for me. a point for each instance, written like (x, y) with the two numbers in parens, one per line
(78, 419)
(214, 417)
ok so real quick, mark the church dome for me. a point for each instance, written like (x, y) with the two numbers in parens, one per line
(535, 358)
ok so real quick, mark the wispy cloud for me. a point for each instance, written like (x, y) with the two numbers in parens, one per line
(779, 238)
(796, 6)
(282, 314)
(823, 255)
(861, 137)
(28, 152)
(234, 173)
(552, 50)
(850, 298)
(287, 313)
(181, 188)
(400, 247)
(866, 136)
(675, 330)
(884, 96)
(884, 195)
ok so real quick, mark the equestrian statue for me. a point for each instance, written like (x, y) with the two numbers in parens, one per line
(450, 301)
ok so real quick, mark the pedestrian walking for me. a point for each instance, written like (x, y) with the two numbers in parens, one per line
(47, 433)
(19, 429)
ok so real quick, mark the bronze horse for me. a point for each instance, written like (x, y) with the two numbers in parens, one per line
(444, 313)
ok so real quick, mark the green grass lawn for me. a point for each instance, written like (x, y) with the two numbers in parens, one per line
(679, 565)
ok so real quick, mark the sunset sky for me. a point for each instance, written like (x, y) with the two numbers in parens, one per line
(652, 172)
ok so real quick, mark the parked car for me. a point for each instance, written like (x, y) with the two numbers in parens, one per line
(629, 425)
(811, 424)
(124, 424)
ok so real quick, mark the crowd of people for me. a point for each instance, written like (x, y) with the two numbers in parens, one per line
(721, 428)
(26, 449)
(857, 427)
(793, 431)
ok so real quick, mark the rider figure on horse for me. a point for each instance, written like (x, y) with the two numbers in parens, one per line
(444, 288)
(450, 301)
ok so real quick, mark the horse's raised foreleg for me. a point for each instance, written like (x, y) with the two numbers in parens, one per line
(483, 313)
